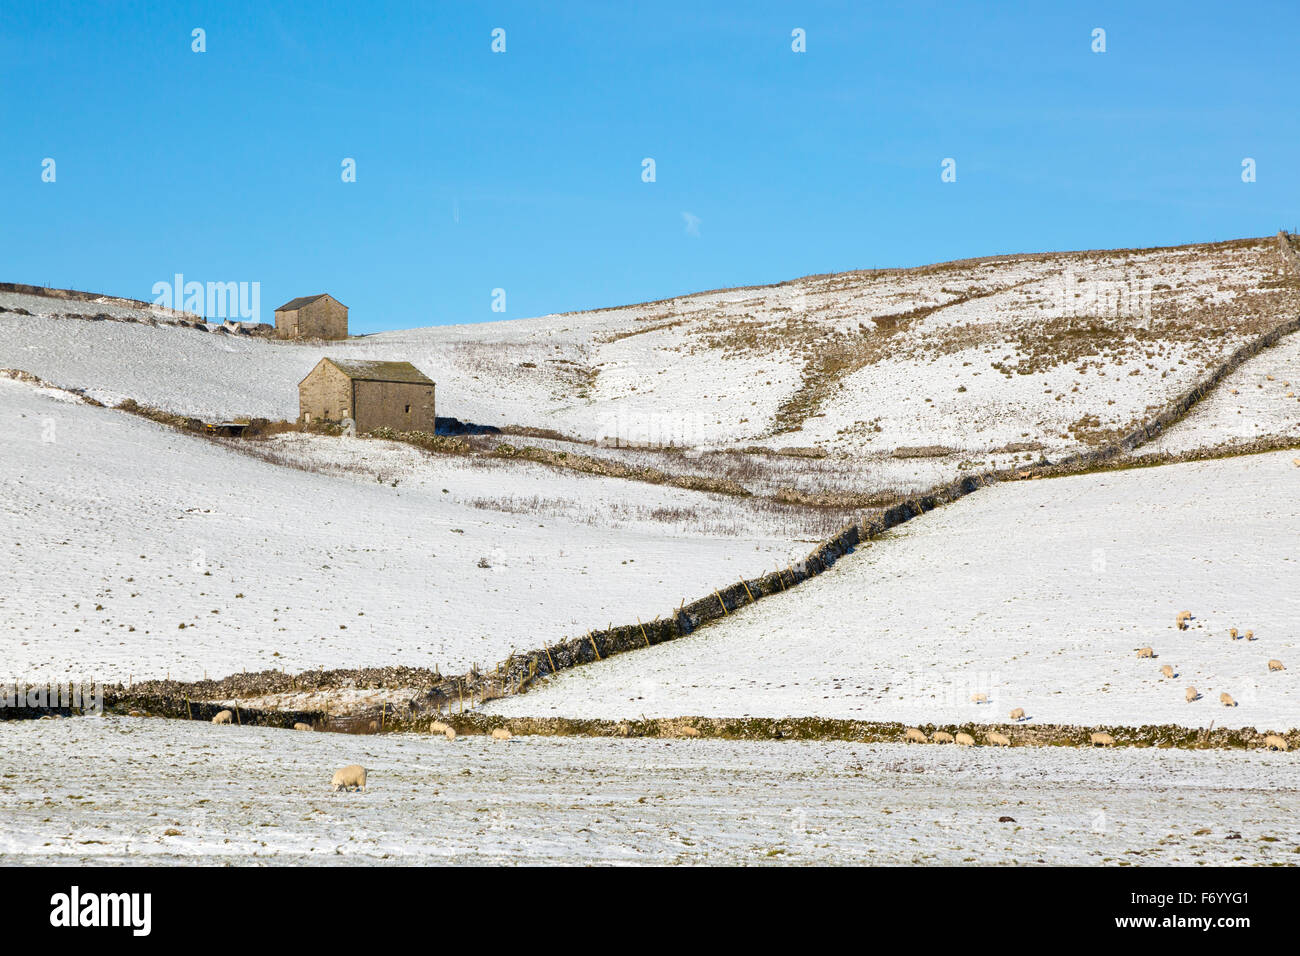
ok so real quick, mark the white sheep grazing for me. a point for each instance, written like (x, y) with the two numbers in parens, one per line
(979, 698)
(964, 740)
(438, 727)
(351, 777)
(1226, 700)
(690, 732)
(1146, 652)
(1018, 714)
(1274, 742)
(500, 733)
(1182, 619)
(449, 734)
(941, 737)
(1191, 694)
(914, 736)
(1276, 665)
(1166, 670)
(1100, 739)
(1232, 633)
(1250, 635)
(301, 726)
(997, 739)
(224, 717)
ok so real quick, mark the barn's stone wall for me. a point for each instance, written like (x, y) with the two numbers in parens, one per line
(325, 395)
(326, 318)
(401, 406)
(286, 324)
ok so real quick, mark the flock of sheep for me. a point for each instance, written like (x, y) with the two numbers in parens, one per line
(1101, 739)
(914, 735)
(1192, 694)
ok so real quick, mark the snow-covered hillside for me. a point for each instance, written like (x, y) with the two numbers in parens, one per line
(137, 550)
(1036, 593)
(130, 549)
(1051, 349)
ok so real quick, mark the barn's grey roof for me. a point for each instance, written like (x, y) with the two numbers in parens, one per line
(367, 370)
(302, 300)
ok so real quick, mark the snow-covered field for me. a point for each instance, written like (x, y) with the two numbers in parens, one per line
(132, 550)
(1052, 348)
(1259, 400)
(1037, 593)
(123, 790)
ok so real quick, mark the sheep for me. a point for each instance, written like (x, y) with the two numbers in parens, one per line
(449, 734)
(1226, 700)
(997, 739)
(979, 698)
(1100, 739)
(1018, 714)
(1232, 633)
(500, 733)
(914, 736)
(1276, 665)
(373, 726)
(1182, 619)
(964, 740)
(351, 777)
(224, 717)
(1191, 695)
(1167, 671)
(301, 726)
(941, 737)
(1146, 652)
(438, 727)
(1250, 635)
(690, 732)
(1274, 742)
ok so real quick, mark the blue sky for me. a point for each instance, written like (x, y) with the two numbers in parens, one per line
(522, 170)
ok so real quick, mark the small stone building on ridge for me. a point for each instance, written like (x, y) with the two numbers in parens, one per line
(312, 317)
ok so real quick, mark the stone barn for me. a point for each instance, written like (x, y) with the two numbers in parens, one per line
(312, 317)
(373, 394)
